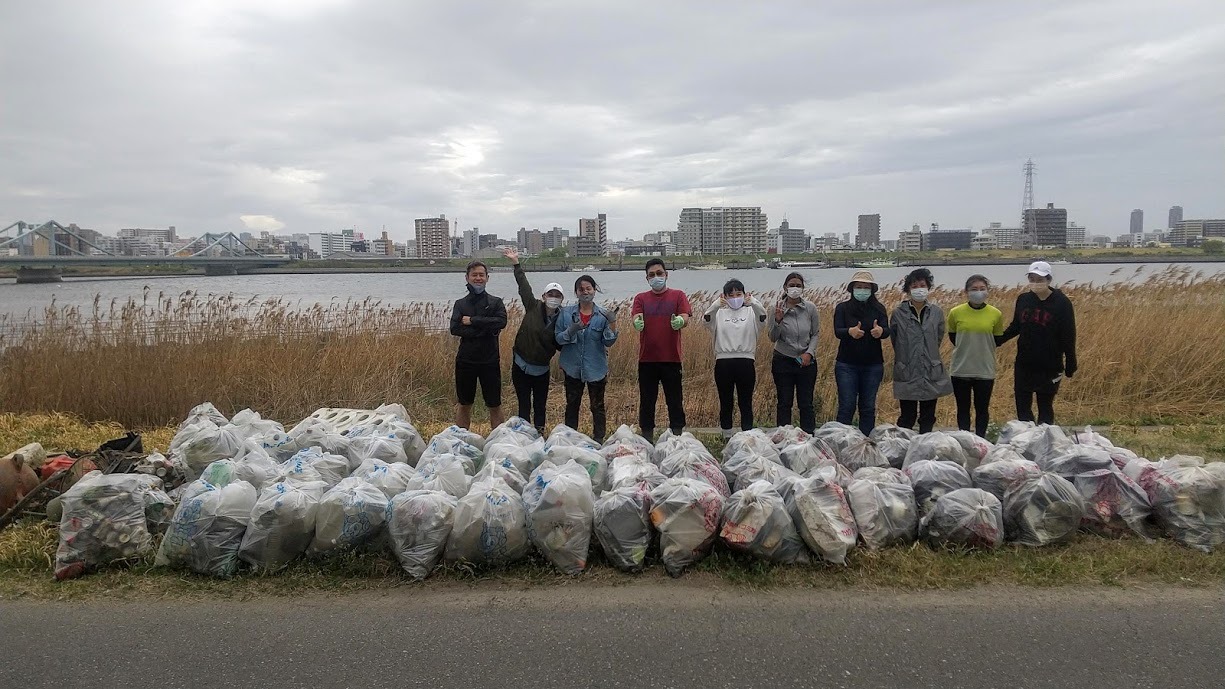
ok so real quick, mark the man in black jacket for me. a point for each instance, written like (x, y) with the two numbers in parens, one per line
(1046, 352)
(477, 320)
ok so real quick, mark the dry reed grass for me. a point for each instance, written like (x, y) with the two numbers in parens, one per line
(1150, 350)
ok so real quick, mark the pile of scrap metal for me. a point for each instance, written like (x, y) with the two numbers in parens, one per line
(32, 478)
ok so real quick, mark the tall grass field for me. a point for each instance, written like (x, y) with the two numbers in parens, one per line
(1149, 351)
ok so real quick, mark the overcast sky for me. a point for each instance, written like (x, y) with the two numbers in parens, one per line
(314, 115)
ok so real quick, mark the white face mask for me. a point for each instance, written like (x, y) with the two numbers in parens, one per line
(795, 292)
(735, 302)
(978, 296)
(552, 302)
(918, 294)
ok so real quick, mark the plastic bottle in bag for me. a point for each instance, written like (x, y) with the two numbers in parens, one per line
(419, 522)
(559, 505)
(106, 518)
(622, 524)
(967, 517)
(1043, 510)
(689, 463)
(207, 529)
(490, 527)
(351, 514)
(756, 521)
(933, 479)
(392, 479)
(998, 476)
(935, 446)
(591, 460)
(686, 513)
(282, 524)
(885, 512)
(822, 516)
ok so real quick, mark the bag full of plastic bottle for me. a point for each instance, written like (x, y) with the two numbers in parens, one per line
(447, 473)
(933, 479)
(806, 456)
(490, 527)
(392, 479)
(350, 514)
(455, 443)
(282, 524)
(622, 524)
(504, 470)
(254, 465)
(1040, 443)
(1043, 510)
(1188, 501)
(966, 517)
(689, 463)
(822, 517)
(591, 460)
(885, 512)
(329, 468)
(106, 517)
(203, 443)
(975, 447)
(686, 512)
(756, 521)
(419, 522)
(559, 505)
(937, 447)
(207, 529)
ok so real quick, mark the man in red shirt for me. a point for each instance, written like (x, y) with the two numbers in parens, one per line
(659, 314)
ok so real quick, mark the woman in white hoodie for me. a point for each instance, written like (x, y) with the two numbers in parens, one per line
(736, 320)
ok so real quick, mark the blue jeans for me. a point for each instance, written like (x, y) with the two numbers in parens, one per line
(857, 386)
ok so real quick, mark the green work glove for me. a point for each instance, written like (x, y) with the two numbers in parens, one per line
(639, 323)
(677, 322)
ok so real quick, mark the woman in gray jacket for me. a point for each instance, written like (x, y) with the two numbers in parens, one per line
(919, 375)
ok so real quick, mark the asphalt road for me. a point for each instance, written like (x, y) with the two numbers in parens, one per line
(668, 634)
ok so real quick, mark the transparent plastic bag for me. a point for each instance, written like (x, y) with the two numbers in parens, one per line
(624, 442)
(251, 426)
(689, 463)
(1115, 505)
(756, 521)
(591, 461)
(106, 517)
(331, 469)
(1012, 429)
(861, 453)
(400, 429)
(887, 431)
(622, 524)
(454, 444)
(391, 479)
(419, 522)
(933, 479)
(559, 504)
(387, 448)
(204, 412)
(743, 459)
(966, 517)
(1189, 503)
(686, 513)
(669, 443)
(310, 432)
(1076, 460)
(463, 435)
(822, 517)
(490, 527)
(447, 473)
(806, 456)
(207, 529)
(525, 457)
(202, 444)
(514, 431)
(882, 475)
(564, 436)
(349, 515)
(786, 436)
(631, 470)
(976, 448)
(894, 450)
(282, 524)
(762, 470)
(935, 446)
(755, 442)
(840, 436)
(504, 471)
(885, 513)
(1000, 475)
(1090, 437)
(255, 466)
(1043, 510)
(1041, 443)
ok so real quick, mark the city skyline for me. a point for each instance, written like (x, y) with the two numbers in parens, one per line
(229, 117)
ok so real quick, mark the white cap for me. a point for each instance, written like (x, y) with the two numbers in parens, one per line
(554, 286)
(1039, 268)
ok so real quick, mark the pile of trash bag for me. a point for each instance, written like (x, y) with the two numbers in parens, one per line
(419, 525)
(282, 524)
(937, 447)
(622, 525)
(933, 479)
(1043, 510)
(885, 512)
(559, 504)
(822, 516)
(207, 528)
(756, 521)
(392, 479)
(966, 517)
(490, 527)
(1187, 499)
(686, 512)
(349, 515)
(108, 517)
(996, 477)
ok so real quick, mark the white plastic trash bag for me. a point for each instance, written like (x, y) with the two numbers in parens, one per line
(935, 446)
(885, 513)
(310, 432)
(1115, 505)
(204, 412)
(282, 524)
(1078, 459)
(387, 448)
(559, 505)
(1041, 443)
(808, 455)
(998, 476)
(331, 469)
(882, 475)
(591, 460)
(861, 453)
(755, 441)
(392, 479)
(402, 430)
(453, 443)
(108, 517)
(840, 436)
(762, 470)
(524, 457)
(894, 450)
(207, 529)
(934, 479)
(255, 466)
(622, 524)
(740, 461)
(490, 527)
(515, 431)
(756, 521)
(823, 518)
(419, 523)
(669, 443)
(564, 436)
(888, 430)
(447, 473)
(1043, 510)
(504, 471)
(689, 463)
(1189, 503)
(630, 470)
(686, 513)
(351, 514)
(786, 436)
(966, 517)
(202, 444)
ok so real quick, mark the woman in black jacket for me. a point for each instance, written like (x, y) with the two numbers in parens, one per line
(860, 323)
(1046, 351)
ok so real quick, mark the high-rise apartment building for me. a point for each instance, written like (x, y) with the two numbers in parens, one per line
(433, 237)
(531, 241)
(1049, 226)
(470, 242)
(869, 230)
(1175, 217)
(555, 238)
(595, 231)
(1137, 221)
(791, 240)
(1189, 232)
(910, 240)
(722, 231)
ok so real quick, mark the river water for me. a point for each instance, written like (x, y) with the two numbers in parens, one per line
(22, 302)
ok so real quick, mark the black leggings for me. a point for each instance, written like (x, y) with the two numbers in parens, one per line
(738, 376)
(1046, 406)
(574, 401)
(533, 394)
(923, 411)
(980, 390)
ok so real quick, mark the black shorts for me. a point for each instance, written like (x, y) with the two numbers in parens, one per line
(490, 377)
(1033, 380)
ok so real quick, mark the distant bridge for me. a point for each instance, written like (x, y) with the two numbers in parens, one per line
(218, 254)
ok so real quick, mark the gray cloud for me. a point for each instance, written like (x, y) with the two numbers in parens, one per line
(323, 114)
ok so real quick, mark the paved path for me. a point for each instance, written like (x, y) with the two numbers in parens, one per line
(659, 634)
